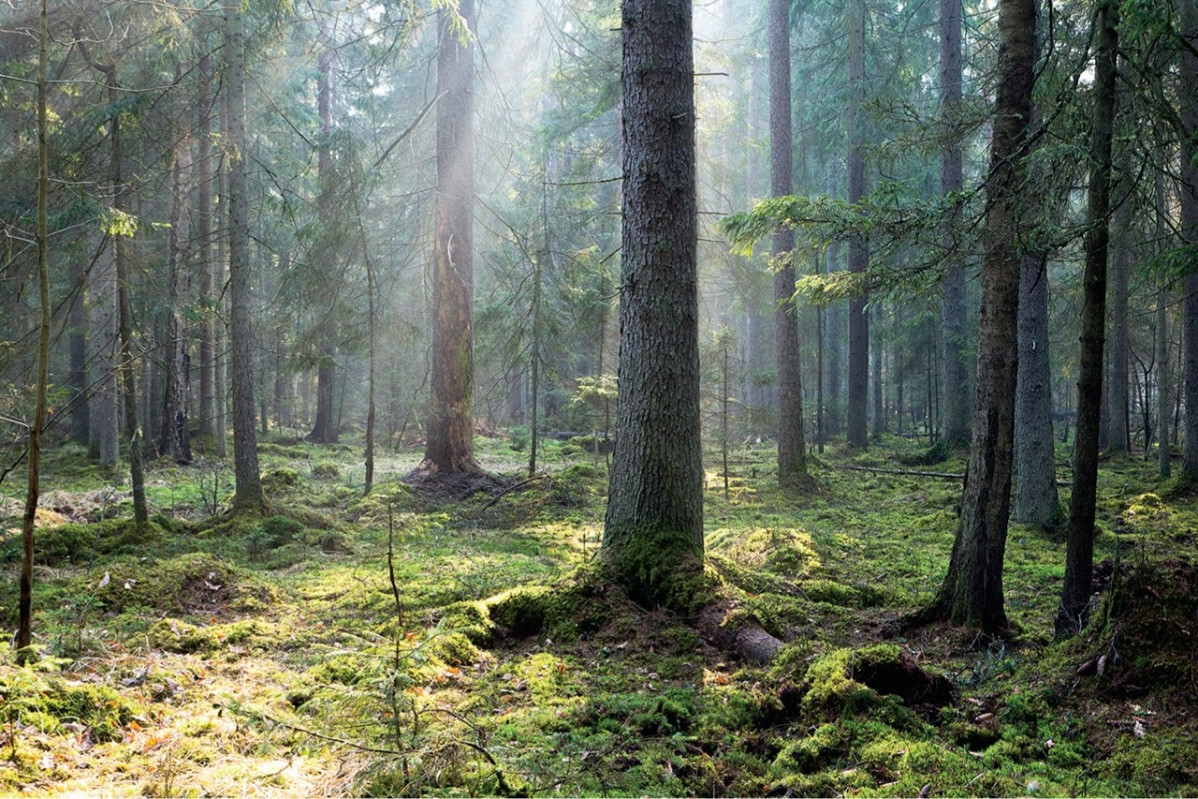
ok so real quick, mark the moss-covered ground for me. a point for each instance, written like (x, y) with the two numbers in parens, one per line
(417, 642)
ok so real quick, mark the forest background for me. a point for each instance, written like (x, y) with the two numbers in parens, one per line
(199, 242)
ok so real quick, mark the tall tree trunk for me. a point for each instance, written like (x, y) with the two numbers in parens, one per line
(174, 438)
(953, 331)
(1163, 378)
(205, 266)
(653, 533)
(858, 428)
(247, 495)
(450, 447)
(1035, 498)
(77, 322)
(1079, 556)
(792, 450)
(103, 424)
(1118, 396)
(1188, 14)
(324, 430)
(972, 591)
(25, 591)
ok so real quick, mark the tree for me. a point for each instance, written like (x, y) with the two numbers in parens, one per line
(324, 429)
(1079, 556)
(955, 381)
(792, 451)
(247, 496)
(653, 532)
(450, 447)
(972, 591)
(1035, 499)
(25, 595)
(174, 439)
(1188, 18)
(857, 431)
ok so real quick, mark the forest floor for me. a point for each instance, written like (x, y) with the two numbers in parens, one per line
(412, 642)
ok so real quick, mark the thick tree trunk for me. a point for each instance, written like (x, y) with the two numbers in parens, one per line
(1079, 556)
(653, 533)
(858, 427)
(972, 592)
(792, 450)
(247, 496)
(450, 447)
(953, 330)
(1035, 499)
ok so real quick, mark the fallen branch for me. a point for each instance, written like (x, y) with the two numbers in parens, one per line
(512, 488)
(913, 473)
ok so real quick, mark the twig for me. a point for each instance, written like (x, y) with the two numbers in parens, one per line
(512, 488)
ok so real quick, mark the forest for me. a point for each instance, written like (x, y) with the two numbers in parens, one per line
(599, 397)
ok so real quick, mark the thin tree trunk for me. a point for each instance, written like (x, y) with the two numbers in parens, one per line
(792, 450)
(25, 593)
(1163, 378)
(857, 429)
(174, 438)
(77, 322)
(205, 266)
(1079, 556)
(1120, 409)
(1188, 13)
(247, 496)
(954, 332)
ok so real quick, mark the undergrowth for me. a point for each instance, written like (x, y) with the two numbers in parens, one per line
(411, 642)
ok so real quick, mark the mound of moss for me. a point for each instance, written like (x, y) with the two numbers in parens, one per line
(192, 584)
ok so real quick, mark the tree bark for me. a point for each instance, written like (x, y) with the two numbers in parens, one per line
(1119, 437)
(653, 533)
(1189, 230)
(954, 330)
(205, 266)
(324, 429)
(450, 447)
(32, 492)
(77, 322)
(247, 494)
(972, 592)
(857, 431)
(174, 438)
(792, 450)
(1079, 556)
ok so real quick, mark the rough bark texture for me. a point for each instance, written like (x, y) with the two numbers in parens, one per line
(1079, 556)
(77, 322)
(792, 450)
(205, 266)
(1163, 297)
(1035, 498)
(1119, 438)
(1189, 227)
(972, 592)
(174, 439)
(857, 430)
(247, 496)
(450, 447)
(653, 533)
(953, 331)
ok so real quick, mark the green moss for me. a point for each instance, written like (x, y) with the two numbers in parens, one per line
(812, 753)
(452, 649)
(174, 635)
(195, 583)
(279, 478)
(659, 565)
(471, 618)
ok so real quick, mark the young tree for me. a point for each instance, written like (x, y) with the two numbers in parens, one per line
(247, 496)
(792, 451)
(1079, 557)
(450, 447)
(25, 595)
(972, 590)
(653, 533)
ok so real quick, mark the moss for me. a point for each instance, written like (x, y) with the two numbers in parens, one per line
(83, 543)
(570, 608)
(279, 478)
(174, 635)
(326, 471)
(471, 618)
(659, 566)
(812, 753)
(452, 649)
(196, 583)
(47, 701)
